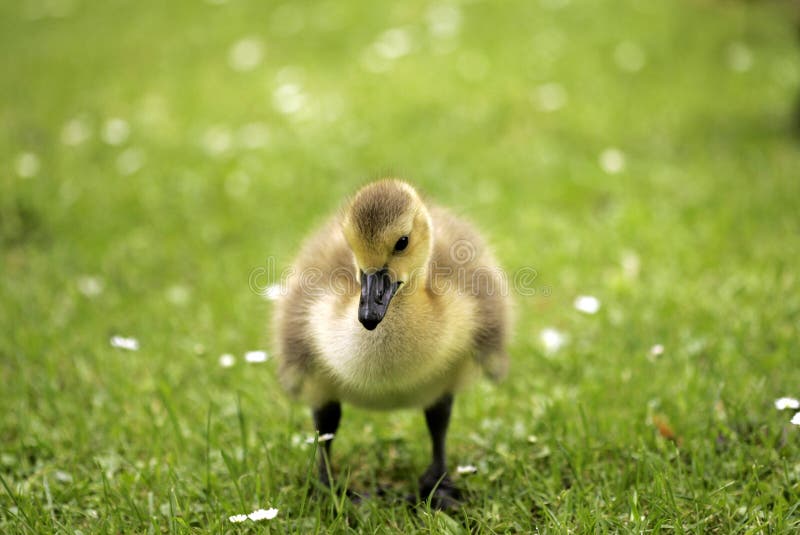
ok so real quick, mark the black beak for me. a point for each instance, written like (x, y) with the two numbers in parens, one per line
(377, 289)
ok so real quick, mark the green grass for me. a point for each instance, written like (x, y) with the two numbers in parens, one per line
(173, 221)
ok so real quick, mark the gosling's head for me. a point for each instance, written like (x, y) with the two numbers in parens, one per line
(389, 230)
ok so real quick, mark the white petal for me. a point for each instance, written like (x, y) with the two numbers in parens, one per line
(90, 286)
(178, 294)
(325, 437)
(246, 54)
(552, 339)
(394, 43)
(612, 161)
(121, 342)
(289, 98)
(796, 419)
(466, 469)
(27, 165)
(550, 97)
(630, 264)
(587, 304)
(116, 131)
(237, 518)
(227, 360)
(75, 132)
(130, 160)
(263, 514)
(444, 20)
(787, 403)
(217, 140)
(63, 477)
(255, 356)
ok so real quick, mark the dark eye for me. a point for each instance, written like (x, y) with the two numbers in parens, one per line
(401, 244)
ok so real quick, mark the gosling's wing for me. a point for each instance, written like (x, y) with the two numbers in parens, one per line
(323, 271)
(475, 274)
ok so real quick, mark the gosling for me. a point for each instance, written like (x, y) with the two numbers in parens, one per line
(394, 303)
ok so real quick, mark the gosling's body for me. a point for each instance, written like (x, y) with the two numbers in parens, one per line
(447, 320)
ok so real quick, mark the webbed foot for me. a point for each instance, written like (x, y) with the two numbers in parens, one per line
(440, 490)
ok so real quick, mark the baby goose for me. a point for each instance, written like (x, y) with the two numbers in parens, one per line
(394, 303)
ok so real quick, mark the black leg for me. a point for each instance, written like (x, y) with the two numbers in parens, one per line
(437, 417)
(326, 420)
(435, 480)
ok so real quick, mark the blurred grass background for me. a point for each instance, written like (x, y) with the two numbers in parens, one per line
(154, 154)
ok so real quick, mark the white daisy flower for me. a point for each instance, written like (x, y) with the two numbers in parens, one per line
(227, 360)
(90, 286)
(115, 131)
(796, 419)
(246, 54)
(217, 140)
(178, 294)
(325, 437)
(121, 342)
(27, 165)
(63, 477)
(787, 403)
(466, 469)
(394, 43)
(256, 356)
(444, 20)
(588, 304)
(75, 132)
(655, 352)
(130, 160)
(612, 161)
(631, 264)
(263, 514)
(552, 339)
(550, 97)
(289, 98)
(237, 518)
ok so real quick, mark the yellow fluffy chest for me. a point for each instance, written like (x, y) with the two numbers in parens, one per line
(414, 356)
